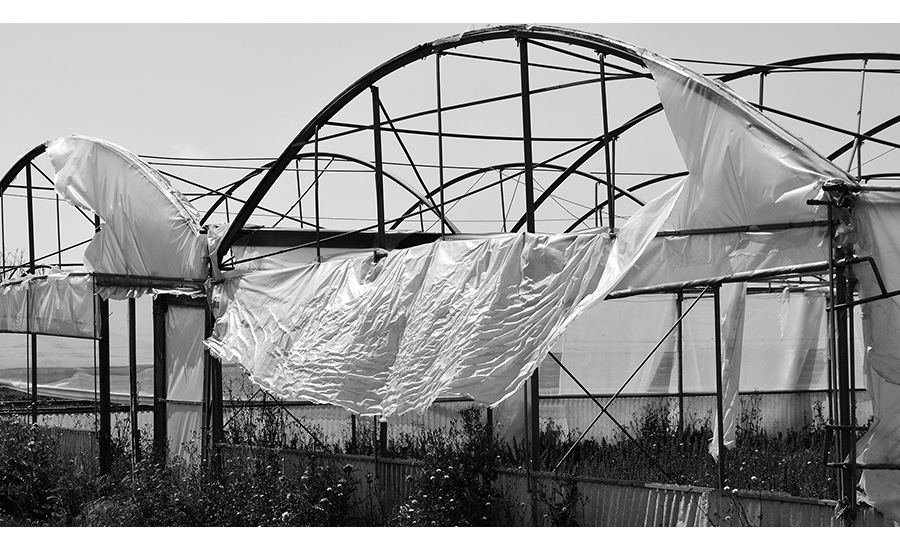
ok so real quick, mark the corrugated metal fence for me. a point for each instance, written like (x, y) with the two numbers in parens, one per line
(537, 498)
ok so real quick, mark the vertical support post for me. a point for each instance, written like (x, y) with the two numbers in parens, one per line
(3, 231)
(206, 395)
(379, 168)
(31, 269)
(382, 438)
(610, 193)
(719, 398)
(58, 236)
(132, 382)
(217, 429)
(847, 478)
(489, 420)
(316, 184)
(530, 228)
(679, 359)
(762, 83)
(160, 389)
(353, 441)
(502, 201)
(440, 132)
(105, 436)
(299, 193)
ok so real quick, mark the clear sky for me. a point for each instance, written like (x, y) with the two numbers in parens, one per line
(226, 90)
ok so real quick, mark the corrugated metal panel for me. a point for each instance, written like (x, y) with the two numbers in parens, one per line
(770, 412)
(602, 503)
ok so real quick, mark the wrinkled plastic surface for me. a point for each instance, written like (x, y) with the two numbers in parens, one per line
(879, 236)
(148, 228)
(471, 317)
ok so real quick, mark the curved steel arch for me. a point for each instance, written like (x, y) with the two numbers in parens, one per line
(20, 165)
(598, 43)
(513, 165)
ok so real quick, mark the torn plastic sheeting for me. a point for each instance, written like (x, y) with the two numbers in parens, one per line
(878, 216)
(148, 228)
(472, 317)
(60, 304)
(743, 170)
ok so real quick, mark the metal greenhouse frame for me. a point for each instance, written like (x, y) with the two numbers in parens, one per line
(403, 159)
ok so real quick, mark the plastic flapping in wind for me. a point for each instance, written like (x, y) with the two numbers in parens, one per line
(58, 304)
(878, 216)
(471, 317)
(148, 229)
(745, 170)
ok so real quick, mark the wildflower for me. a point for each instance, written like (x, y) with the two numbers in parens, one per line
(753, 479)
(285, 516)
(727, 488)
(734, 491)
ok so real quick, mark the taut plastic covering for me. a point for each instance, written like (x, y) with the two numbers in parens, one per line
(60, 304)
(471, 317)
(67, 366)
(784, 347)
(184, 375)
(148, 228)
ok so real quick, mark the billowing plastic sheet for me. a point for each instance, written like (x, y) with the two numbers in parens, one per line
(185, 327)
(744, 170)
(471, 317)
(60, 304)
(148, 229)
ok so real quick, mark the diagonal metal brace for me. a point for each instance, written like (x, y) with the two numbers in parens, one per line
(604, 409)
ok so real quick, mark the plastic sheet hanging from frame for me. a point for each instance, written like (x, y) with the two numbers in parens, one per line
(185, 329)
(468, 317)
(878, 215)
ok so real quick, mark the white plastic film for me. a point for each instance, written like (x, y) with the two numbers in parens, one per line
(471, 317)
(185, 327)
(60, 304)
(879, 236)
(148, 228)
(744, 171)
(67, 366)
(733, 303)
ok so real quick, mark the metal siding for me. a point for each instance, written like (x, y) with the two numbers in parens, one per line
(606, 503)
